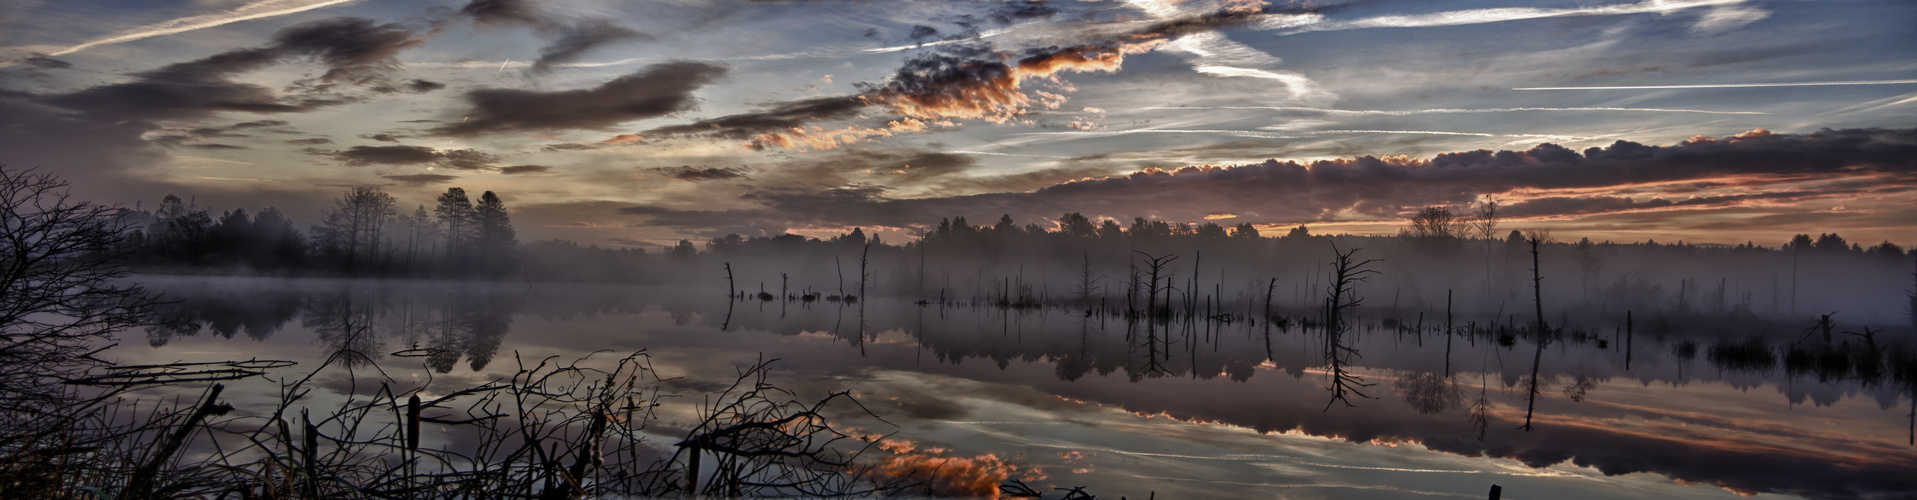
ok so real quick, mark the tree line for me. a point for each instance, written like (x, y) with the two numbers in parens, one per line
(364, 232)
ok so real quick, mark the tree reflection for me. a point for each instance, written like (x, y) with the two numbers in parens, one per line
(1428, 392)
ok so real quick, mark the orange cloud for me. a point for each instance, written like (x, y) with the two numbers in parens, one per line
(950, 477)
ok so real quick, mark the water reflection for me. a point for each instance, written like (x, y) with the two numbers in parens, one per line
(1711, 403)
(354, 322)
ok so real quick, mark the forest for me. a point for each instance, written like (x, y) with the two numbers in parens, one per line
(1467, 253)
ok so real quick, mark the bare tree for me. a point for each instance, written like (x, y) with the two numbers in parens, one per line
(1343, 296)
(61, 299)
(1435, 223)
(357, 224)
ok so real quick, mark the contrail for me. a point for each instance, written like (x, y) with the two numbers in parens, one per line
(902, 48)
(1374, 112)
(1494, 15)
(246, 12)
(1259, 135)
(1004, 154)
(1730, 85)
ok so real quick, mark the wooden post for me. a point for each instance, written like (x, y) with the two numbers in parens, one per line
(1496, 492)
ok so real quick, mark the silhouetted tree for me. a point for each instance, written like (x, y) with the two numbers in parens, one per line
(1077, 225)
(356, 226)
(1244, 231)
(1434, 223)
(62, 296)
(494, 239)
(1210, 231)
(455, 214)
(1799, 242)
(1831, 243)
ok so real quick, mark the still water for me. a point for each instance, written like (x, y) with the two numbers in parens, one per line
(1189, 409)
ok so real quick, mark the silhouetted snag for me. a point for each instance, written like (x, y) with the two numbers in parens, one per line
(1543, 334)
(863, 260)
(140, 486)
(1156, 264)
(1346, 274)
(1447, 333)
(1481, 409)
(730, 289)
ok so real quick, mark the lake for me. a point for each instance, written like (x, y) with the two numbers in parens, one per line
(1186, 408)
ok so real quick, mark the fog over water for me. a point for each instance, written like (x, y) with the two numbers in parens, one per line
(1236, 405)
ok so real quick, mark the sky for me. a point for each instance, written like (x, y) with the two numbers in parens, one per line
(641, 123)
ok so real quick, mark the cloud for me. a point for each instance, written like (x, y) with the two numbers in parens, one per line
(248, 12)
(417, 180)
(1409, 112)
(1013, 13)
(414, 86)
(502, 12)
(44, 62)
(776, 117)
(360, 156)
(654, 91)
(571, 42)
(696, 174)
(187, 90)
(311, 142)
(466, 159)
(353, 49)
(1732, 85)
(524, 169)
(1544, 181)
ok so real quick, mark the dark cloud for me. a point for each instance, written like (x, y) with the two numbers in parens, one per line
(414, 86)
(466, 159)
(360, 156)
(353, 49)
(571, 42)
(1848, 163)
(502, 12)
(569, 146)
(257, 124)
(921, 33)
(35, 134)
(1017, 12)
(524, 169)
(187, 90)
(776, 117)
(43, 61)
(383, 137)
(654, 91)
(417, 180)
(696, 174)
(215, 146)
(311, 142)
